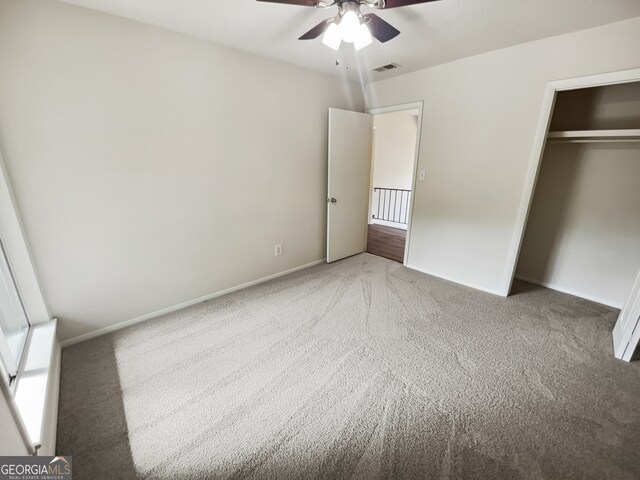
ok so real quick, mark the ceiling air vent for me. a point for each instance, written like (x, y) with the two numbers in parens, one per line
(388, 66)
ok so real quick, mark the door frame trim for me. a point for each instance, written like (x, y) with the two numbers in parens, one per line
(419, 105)
(626, 334)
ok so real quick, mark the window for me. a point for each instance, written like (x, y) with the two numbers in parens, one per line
(14, 325)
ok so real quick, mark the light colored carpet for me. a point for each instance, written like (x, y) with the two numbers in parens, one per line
(359, 369)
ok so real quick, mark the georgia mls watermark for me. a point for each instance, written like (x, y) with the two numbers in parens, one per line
(35, 468)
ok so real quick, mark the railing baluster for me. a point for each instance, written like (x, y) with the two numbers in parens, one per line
(395, 204)
(384, 202)
(388, 206)
(389, 209)
(406, 208)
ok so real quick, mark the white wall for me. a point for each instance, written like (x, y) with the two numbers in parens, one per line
(151, 168)
(480, 119)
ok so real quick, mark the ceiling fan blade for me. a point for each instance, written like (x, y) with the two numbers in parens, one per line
(318, 30)
(380, 29)
(403, 3)
(302, 3)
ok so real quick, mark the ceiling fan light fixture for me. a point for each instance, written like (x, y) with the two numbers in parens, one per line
(333, 37)
(363, 38)
(349, 26)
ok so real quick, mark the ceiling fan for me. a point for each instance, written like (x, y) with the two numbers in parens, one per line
(350, 25)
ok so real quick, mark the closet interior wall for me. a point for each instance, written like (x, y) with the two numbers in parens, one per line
(583, 231)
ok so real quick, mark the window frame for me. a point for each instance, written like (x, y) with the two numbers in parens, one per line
(9, 365)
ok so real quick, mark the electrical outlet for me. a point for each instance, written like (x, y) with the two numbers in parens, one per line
(278, 250)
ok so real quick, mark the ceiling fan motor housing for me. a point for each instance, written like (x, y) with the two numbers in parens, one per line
(340, 3)
(349, 6)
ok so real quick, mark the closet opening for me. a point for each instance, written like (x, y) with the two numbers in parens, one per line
(582, 229)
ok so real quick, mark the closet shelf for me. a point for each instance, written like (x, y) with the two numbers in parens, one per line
(591, 136)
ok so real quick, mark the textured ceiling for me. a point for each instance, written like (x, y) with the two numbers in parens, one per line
(432, 33)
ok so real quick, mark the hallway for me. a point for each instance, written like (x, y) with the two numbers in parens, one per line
(387, 242)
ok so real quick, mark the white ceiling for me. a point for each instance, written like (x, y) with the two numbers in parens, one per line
(432, 33)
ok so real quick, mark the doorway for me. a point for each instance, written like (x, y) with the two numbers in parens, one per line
(395, 141)
(354, 201)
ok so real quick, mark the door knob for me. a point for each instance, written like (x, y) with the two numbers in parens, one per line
(333, 200)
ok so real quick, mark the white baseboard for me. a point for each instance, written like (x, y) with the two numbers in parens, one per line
(174, 308)
(569, 291)
(400, 226)
(454, 280)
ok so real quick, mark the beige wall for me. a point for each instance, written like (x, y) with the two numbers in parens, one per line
(601, 108)
(583, 232)
(395, 142)
(480, 119)
(151, 168)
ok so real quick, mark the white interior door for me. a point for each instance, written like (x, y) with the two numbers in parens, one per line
(349, 178)
(626, 333)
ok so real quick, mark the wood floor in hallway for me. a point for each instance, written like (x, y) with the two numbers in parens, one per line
(387, 242)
